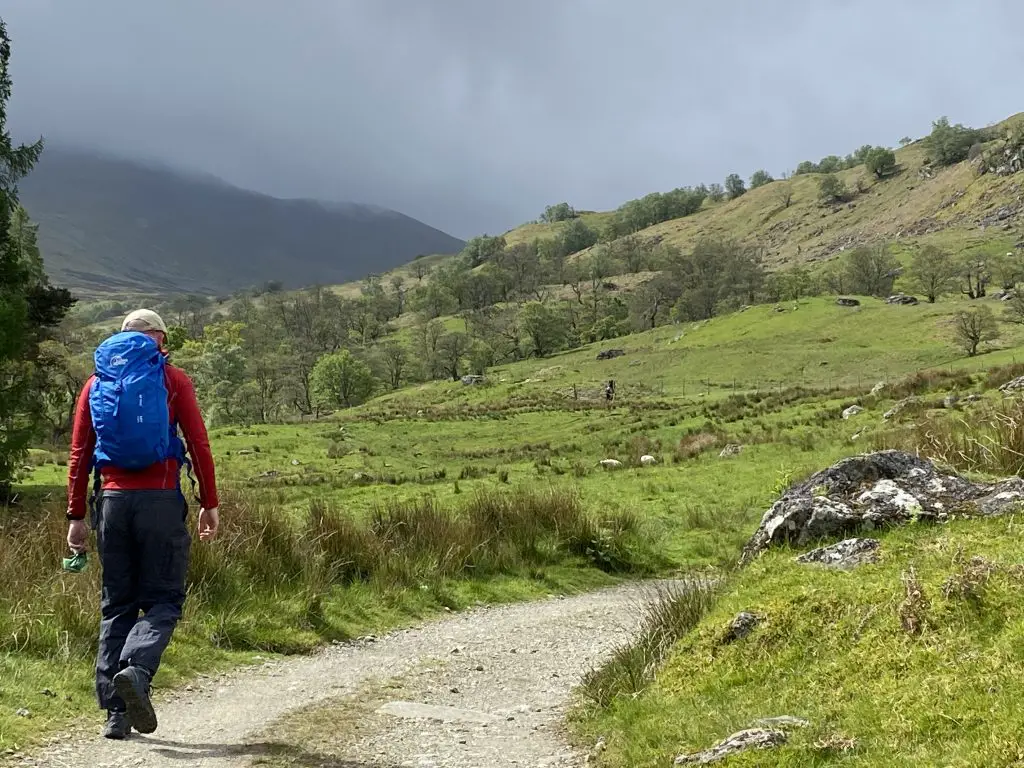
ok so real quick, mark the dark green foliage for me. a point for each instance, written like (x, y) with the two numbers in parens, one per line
(831, 189)
(948, 144)
(880, 161)
(558, 212)
(29, 305)
(871, 271)
(760, 178)
(482, 248)
(654, 208)
(734, 186)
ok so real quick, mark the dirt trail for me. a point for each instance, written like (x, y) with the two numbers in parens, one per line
(503, 676)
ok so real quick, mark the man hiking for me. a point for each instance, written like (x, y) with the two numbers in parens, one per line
(125, 439)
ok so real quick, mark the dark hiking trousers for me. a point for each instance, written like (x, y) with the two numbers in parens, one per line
(143, 544)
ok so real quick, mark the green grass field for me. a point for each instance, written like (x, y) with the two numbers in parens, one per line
(347, 525)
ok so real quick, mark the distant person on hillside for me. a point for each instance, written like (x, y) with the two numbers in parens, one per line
(126, 435)
(609, 390)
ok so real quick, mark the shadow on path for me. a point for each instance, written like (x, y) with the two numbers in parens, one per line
(271, 752)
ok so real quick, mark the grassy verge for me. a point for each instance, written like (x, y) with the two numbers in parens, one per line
(913, 661)
(274, 584)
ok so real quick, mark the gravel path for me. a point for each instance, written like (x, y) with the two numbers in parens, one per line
(504, 675)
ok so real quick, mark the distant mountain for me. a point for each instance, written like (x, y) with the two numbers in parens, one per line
(114, 225)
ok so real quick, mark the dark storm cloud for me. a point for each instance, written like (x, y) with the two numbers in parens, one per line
(472, 115)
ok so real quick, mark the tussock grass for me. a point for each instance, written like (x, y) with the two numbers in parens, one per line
(987, 439)
(277, 583)
(673, 611)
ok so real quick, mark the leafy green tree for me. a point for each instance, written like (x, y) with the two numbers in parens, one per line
(543, 326)
(934, 272)
(482, 248)
(974, 327)
(830, 164)
(831, 189)
(29, 306)
(948, 144)
(452, 350)
(734, 186)
(340, 380)
(871, 271)
(558, 212)
(716, 193)
(906, 141)
(760, 178)
(880, 161)
(395, 359)
(806, 167)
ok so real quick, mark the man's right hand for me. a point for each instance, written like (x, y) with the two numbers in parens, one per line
(209, 522)
(78, 535)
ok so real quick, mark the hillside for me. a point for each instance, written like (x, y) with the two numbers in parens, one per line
(109, 225)
(950, 206)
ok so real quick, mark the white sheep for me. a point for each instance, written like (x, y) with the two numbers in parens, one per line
(648, 460)
(611, 463)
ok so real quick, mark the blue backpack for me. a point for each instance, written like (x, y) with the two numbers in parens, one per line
(128, 404)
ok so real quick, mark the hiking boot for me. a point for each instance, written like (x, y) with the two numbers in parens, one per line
(132, 685)
(117, 726)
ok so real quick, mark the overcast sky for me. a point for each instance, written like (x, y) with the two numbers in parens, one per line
(472, 115)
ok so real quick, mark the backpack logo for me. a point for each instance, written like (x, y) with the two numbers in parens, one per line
(118, 361)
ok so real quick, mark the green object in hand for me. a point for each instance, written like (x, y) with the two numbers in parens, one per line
(76, 563)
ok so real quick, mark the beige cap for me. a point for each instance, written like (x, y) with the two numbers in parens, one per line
(143, 320)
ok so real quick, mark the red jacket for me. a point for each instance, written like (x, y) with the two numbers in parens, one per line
(181, 400)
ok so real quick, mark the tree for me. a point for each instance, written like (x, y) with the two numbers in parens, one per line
(784, 193)
(948, 144)
(974, 277)
(395, 358)
(399, 291)
(734, 186)
(806, 167)
(577, 236)
(880, 161)
(1015, 310)
(651, 301)
(452, 348)
(558, 212)
(906, 141)
(420, 269)
(716, 193)
(760, 178)
(482, 248)
(339, 379)
(29, 306)
(973, 327)
(830, 164)
(543, 326)
(934, 272)
(871, 271)
(831, 189)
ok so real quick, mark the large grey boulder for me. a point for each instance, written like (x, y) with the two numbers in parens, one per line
(874, 491)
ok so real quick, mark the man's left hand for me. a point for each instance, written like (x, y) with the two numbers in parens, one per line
(78, 535)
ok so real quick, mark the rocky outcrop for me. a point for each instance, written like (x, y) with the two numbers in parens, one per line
(752, 738)
(844, 555)
(902, 298)
(853, 410)
(873, 491)
(845, 301)
(609, 354)
(742, 625)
